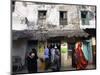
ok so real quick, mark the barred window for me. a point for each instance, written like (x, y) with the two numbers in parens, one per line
(85, 17)
(42, 14)
(63, 17)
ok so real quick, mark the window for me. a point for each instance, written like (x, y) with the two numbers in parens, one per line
(42, 17)
(85, 17)
(42, 14)
(63, 17)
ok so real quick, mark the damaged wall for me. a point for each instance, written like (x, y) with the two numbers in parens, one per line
(91, 16)
(30, 10)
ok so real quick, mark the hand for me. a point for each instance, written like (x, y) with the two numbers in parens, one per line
(32, 55)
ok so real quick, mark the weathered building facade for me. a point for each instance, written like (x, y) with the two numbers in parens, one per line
(35, 25)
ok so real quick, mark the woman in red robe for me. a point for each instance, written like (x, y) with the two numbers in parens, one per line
(81, 62)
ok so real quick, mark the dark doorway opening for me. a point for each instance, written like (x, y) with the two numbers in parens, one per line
(55, 43)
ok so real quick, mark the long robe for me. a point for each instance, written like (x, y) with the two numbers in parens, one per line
(32, 63)
(81, 62)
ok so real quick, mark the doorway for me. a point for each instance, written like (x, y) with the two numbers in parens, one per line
(54, 43)
(30, 45)
(87, 50)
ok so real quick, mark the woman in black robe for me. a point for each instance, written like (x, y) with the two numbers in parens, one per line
(32, 61)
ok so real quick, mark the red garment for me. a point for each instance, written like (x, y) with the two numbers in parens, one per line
(81, 62)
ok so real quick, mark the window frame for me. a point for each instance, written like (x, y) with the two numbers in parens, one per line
(63, 20)
(43, 17)
(84, 19)
(91, 25)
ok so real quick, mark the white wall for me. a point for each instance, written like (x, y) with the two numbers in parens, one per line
(18, 16)
(16, 22)
(52, 17)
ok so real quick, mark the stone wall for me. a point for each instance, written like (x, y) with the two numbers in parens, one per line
(30, 11)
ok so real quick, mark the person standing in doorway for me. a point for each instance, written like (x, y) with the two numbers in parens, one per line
(57, 58)
(81, 62)
(52, 55)
(47, 60)
(32, 61)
